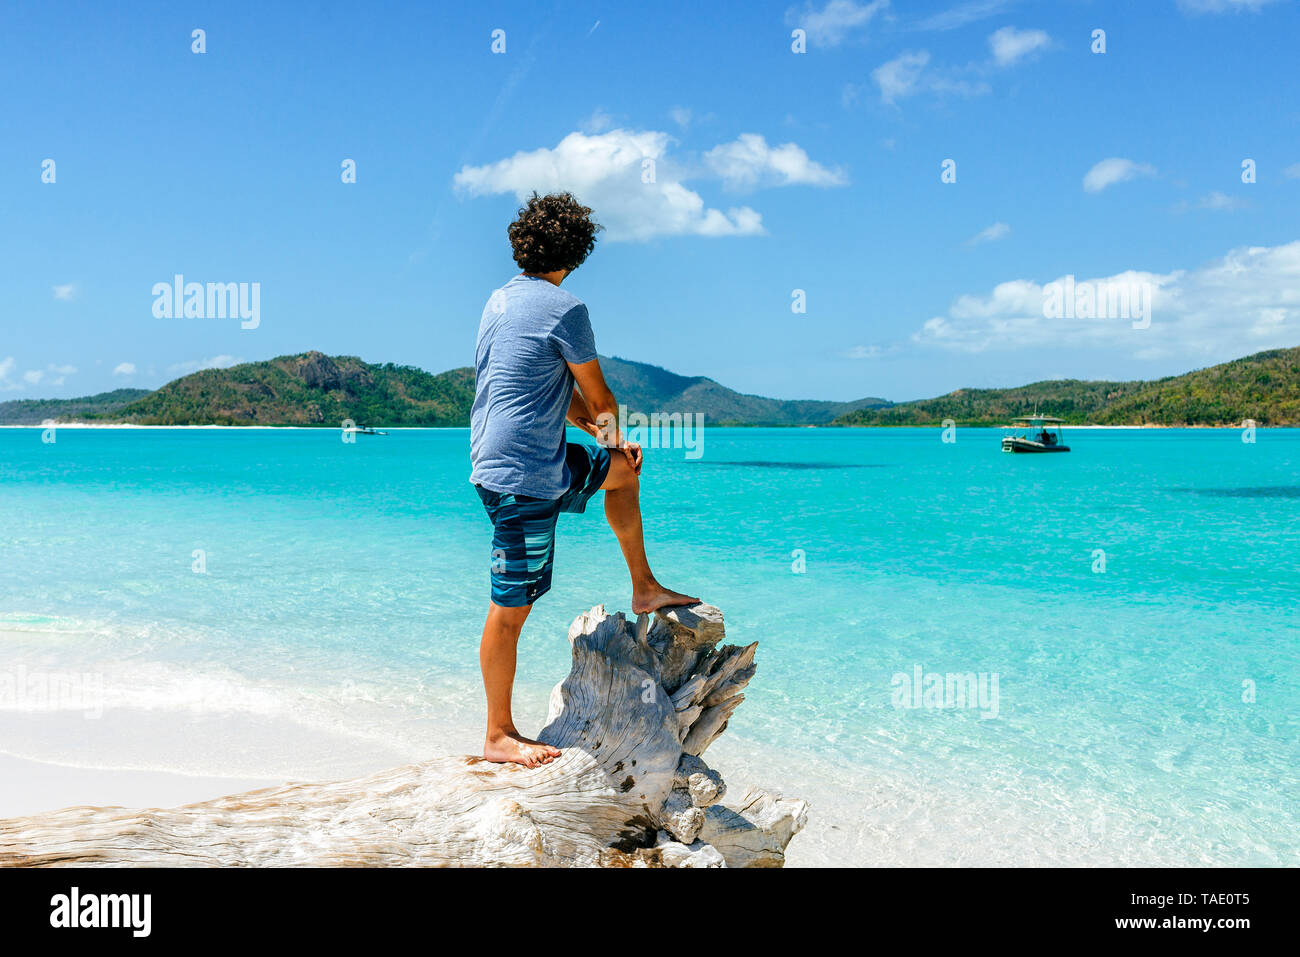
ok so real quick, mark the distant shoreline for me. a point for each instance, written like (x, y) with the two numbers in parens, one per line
(461, 428)
(234, 428)
(313, 390)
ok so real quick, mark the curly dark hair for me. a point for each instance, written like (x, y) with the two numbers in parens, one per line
(552, 232)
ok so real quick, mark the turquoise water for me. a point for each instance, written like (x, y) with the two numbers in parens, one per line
(1144, 713)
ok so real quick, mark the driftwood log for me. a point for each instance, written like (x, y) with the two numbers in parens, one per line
(638, 709)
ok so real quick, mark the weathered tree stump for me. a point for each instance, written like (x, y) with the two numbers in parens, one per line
(640, 705)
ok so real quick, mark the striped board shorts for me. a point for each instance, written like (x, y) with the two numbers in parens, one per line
(523, 527)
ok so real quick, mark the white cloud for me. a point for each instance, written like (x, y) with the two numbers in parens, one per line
(864, 352)
(52, 374)
(124, 368)
(681, 116)
(598, 122)
(216, 362)
(961, 15)
(748, 162)
(1010, 45)
(910, 74)
(1292, 171)
(1216, 201)
(1222, 6)
(1222, 201)
(1114, 170)
(65, 292)
(991, 234)
(609, 173)
(831, 25)
(900, 76)
(1246, 301)
(61, 372)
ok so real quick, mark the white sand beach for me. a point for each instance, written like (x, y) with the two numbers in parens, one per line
(32, 787)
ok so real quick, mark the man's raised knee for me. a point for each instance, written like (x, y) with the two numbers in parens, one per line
(621, 474)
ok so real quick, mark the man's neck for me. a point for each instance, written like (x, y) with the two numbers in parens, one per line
(554, 278)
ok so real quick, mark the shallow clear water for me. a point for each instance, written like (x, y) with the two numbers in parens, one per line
(336, 625)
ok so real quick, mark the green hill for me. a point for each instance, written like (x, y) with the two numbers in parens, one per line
(315, 389)
(646, 388)
(1264, 387)
(306, 389)
(36, 411)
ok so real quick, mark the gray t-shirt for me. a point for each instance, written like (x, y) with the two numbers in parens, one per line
(522, 386)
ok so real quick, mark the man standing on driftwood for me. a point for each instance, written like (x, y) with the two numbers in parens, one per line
(535, 367)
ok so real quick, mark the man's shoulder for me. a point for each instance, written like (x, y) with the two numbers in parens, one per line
(558, 300)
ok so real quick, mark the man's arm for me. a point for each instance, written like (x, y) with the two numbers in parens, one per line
(581, 416)
(594, 404)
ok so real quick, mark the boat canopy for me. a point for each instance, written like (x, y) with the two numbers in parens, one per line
(1036, 419)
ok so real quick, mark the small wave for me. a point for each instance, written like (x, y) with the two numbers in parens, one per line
(794, 466)
(1247, 491)
(47, 624)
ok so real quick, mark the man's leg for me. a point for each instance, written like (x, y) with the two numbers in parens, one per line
(497, 659)
(623, 511)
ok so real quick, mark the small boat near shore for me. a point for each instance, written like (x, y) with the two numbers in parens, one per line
(363, 430)
(1037, 433)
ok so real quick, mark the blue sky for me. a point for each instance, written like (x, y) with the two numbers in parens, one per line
(773, 171)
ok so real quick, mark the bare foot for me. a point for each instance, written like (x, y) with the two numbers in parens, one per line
(511, 747)
(652, 599)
